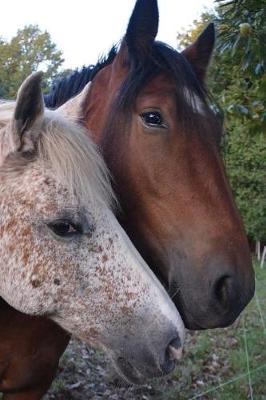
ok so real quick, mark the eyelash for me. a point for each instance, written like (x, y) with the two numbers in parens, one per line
(65, 228)
(158, 119)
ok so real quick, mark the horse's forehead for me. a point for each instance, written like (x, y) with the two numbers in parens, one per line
(160, 84)
(35, 187)
(39, 177)
(163, 91)
(158, 92)
(113, 75)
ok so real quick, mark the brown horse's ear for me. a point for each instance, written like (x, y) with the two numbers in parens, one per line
(28, 113)
(199, 53)
(142, 28)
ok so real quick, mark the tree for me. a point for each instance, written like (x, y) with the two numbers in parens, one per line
(238, 83)
(28, 51)
(185, 38)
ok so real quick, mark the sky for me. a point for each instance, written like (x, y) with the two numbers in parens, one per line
(86, 29)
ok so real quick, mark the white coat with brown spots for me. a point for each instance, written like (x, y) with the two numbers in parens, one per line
(64, 255)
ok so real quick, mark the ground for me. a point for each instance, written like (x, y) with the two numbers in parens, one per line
(221, 364)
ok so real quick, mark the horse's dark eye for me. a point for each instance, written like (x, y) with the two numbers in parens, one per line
(64, 228)
(153, 119)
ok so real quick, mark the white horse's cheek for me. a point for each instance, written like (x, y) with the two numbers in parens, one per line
(22, 284)
(22, 254)
(109, 284)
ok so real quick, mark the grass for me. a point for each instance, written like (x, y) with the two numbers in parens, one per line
(226, 364)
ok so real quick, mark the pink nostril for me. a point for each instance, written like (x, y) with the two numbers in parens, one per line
(174, 350)
(174, 353)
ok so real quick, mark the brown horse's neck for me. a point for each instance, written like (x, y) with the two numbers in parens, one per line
(30, 348)
(3, 304)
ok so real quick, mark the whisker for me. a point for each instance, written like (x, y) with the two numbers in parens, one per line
(247, 359)
(175, 293)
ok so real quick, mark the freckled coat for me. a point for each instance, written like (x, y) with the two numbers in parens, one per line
(63, 254)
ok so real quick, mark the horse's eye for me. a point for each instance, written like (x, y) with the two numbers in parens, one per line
(64, 228)
(153, 119)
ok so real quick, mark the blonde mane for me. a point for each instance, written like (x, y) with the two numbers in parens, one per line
(71, 154)
(6, 112)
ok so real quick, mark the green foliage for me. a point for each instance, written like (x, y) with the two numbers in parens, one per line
(237, 81)
(26, 52)
(184, 39)
(245, 156)
(242, 31)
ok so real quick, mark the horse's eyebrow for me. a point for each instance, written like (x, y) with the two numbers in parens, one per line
(78, 215)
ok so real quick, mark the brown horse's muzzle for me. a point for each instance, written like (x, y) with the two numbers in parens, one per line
(215, 301)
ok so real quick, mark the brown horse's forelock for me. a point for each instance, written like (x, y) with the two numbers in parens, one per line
(162, 59)
(167, 61)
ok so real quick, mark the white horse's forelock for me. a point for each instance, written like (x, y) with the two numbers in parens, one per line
(72, 155)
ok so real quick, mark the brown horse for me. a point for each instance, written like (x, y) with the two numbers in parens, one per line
(30, 349)
(148, 109)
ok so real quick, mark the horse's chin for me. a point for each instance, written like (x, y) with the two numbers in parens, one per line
(127, 372)
(133, 376)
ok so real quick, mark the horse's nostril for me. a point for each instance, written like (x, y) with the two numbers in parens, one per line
(221, 291)
(175, 350)
(173, 353)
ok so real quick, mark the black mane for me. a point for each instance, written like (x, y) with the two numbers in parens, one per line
(65, 88)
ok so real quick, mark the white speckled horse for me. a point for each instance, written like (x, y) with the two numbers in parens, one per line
(63, 254)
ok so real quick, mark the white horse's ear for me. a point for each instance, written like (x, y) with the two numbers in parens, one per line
(72, 109)
(28, 114)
